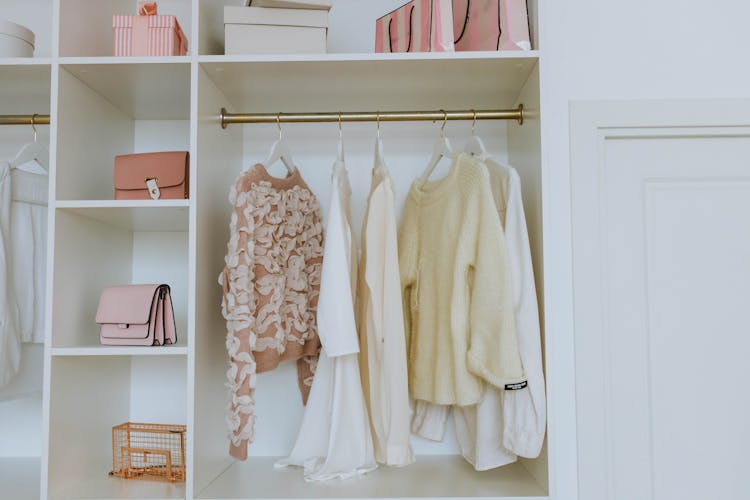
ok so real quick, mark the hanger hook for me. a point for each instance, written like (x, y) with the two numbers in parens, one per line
(341, 130)
(445, 121)
(33, 125)
(278, 123)
(378, 120)
(474, 123)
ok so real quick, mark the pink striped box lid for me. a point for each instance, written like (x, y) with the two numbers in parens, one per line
(160, 21)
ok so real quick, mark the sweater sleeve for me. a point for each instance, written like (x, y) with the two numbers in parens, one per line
(524, 411)
(493, 347)
(407, 263)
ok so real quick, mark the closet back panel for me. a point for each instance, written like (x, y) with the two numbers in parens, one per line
(24, 90)
(90, 255)
(21, 407)
(162, 257)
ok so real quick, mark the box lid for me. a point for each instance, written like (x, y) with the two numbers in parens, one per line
(160, 21)
(276, 17)
(291, 4)
(16, 30)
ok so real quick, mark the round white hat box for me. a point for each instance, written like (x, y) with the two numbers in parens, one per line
(15, 40)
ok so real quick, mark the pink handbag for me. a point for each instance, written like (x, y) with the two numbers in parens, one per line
(418, 26)
(491, 25)
(136, 315)
(152, 176)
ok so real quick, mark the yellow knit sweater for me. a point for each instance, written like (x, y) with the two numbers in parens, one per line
(456, 288)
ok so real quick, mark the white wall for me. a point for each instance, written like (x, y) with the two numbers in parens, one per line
(611, 50)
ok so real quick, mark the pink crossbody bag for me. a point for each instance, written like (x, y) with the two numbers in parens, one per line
(136, 315)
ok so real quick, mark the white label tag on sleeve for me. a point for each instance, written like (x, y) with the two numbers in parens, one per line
(153, 189)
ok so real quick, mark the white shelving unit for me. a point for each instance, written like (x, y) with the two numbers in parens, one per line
(102, 106)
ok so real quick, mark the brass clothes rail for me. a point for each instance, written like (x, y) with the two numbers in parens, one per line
(517, 114)
(24, 119)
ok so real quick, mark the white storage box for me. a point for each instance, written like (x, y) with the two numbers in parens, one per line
(15, 40)
(256, 30)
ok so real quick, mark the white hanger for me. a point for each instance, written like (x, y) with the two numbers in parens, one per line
(474, 145)
(280, 151)
(33, 151)
(441, 150)
(379, 156)
(340, 155)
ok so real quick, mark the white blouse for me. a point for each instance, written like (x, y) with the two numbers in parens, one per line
(382, 337)
(334, 440)
(10, 334)
(29, 250)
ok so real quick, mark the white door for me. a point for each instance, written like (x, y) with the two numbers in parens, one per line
(661, 236)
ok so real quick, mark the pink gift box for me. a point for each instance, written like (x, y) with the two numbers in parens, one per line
(148, 36)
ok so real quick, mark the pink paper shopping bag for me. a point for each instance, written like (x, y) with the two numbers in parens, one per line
(418, 26)
(491, 25)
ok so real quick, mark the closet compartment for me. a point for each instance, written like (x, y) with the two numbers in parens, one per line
(25, 90)
(428, 83)
(91, 394)
(351, 27)
(107, 110)
(35, 15)
(98, 245)
(86, 25)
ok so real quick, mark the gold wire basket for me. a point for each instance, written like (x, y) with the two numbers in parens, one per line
(149, 451)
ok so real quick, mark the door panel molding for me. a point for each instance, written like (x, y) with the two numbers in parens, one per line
(598, 128)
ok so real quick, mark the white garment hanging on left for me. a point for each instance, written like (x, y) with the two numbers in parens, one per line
(10, 335)
(29, 192)
(334, 440)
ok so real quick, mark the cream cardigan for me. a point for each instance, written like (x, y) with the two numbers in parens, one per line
(456, 287)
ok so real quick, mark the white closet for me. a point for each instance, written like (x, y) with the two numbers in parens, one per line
(101, 106)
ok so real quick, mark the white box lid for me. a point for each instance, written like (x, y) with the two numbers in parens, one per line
(16, 30)
(276, 17)
(291, 4)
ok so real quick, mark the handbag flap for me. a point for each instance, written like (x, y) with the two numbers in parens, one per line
(169, 168)
(127, 304)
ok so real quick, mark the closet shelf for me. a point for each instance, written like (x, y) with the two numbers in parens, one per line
(122, 203)
(112, 60)
(369, 57)
(102, 350)
(25, 61)
(139, 215)
(437, 476)
(104, 487)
